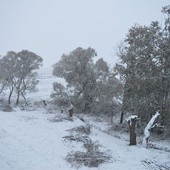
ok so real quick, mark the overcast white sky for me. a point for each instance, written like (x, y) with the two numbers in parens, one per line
(53, 27)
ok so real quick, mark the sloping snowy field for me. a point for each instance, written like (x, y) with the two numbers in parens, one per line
(29, 140)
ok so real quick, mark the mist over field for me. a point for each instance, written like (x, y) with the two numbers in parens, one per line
(84, 85)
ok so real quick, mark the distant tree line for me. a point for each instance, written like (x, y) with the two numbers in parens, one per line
(17, 73)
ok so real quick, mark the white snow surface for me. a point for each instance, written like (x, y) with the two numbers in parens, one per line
(30, 141)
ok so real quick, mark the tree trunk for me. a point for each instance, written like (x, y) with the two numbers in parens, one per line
(24, 98)
(18, 88)
(2, 89)
(121, 117)
(18, 96)
(10, 94)
(132, 126)
(70, 112)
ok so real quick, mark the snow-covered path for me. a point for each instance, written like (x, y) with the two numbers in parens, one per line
(29, 141)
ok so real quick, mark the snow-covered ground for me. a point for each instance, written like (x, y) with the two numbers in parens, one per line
(29, 140)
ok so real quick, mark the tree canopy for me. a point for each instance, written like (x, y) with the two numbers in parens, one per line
(145, 67)
(91, 86)
(18, 72)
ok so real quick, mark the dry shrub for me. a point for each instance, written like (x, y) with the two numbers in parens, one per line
(7, 108)
(93, 157)
(77, 138)
(81, 129)
(61, 118)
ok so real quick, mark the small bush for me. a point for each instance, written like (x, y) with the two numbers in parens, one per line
(61, 118)
(81, 129)
(7, 108)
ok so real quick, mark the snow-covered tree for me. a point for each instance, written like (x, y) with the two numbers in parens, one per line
(89, 84)
(19, 74)
(77, 70)
(8, 67)
(145, 67)
(108, 89)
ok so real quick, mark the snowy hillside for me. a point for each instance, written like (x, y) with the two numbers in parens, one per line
(40, 138)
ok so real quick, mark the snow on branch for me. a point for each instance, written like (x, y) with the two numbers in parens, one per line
(131, 118)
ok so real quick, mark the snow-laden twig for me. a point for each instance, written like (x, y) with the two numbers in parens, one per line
(148, 128)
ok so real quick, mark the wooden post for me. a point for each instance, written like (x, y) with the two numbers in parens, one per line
(70, 112)
(132, 127)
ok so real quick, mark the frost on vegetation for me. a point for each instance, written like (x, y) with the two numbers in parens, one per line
(89, 84)
(19, 74)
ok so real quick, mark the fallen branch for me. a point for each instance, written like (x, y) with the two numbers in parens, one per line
(148, 128)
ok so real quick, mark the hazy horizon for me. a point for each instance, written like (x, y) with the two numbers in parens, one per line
(51, 28)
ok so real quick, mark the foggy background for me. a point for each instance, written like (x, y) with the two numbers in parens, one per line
(53, 27)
